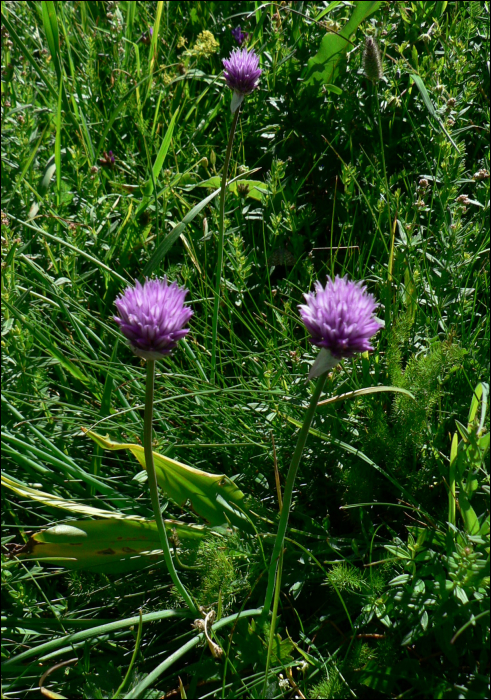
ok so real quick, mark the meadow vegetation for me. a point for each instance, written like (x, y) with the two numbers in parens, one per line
(115, 122)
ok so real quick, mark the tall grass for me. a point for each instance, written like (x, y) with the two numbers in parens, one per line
(369, 559)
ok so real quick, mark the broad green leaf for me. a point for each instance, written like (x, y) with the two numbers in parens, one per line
(323, 67)
(440, 7)
(182, 483)
(94, 533)
(334, 88)
(481, 393)
(468, 513)
(49, 171)
(464, 433)
(110, 546)
(327, 9)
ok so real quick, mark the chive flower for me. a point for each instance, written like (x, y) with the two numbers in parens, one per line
(146, 37)
(152, 316)
(242, 71)
(340, 317)
(240, 36)
(108, 159)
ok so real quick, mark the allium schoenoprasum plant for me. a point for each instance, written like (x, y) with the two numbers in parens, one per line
(115, 124)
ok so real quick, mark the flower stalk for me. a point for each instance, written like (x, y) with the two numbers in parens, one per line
(340, 319)
(388, 299)
(288, 493)
(221, 238)
(152, 484)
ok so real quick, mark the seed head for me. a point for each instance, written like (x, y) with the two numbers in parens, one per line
(481, 174)
(372, 63)
(152, 316)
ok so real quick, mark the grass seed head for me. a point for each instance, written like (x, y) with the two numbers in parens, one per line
(372, 62)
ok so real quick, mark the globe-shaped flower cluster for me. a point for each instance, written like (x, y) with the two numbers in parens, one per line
(242, 71)
(152, 316)
(340, 317)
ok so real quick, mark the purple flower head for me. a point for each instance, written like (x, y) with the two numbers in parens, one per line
(147, 36)
(340, 317)
(242, 71)
(108, 159)
(152, 316)
(240, 36)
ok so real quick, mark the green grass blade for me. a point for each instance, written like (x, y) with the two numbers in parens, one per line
(50, 22)
(22, 48)
(58, 146)
(363, 392)
(169, 240)
(429, 106)
(77, 250)
(159, 162)
(96, 631)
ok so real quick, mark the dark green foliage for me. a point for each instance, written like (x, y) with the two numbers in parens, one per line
(405, 434)
(222, 579)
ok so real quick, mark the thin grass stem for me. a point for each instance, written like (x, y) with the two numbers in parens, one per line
(221, 237)
(387, 194)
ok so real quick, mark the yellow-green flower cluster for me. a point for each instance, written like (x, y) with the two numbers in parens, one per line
(205, 45)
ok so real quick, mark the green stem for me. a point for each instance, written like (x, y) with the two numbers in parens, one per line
(151, 677)
(272, 629)
(152, 485)
(126, 679)
(221, 237)
(288, 492)
(387, 194)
